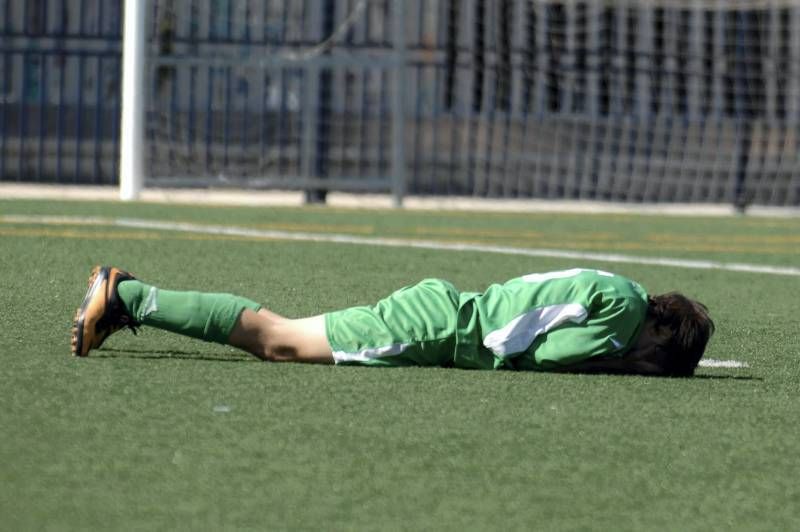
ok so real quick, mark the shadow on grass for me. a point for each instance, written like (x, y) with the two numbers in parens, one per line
(693, 377)
(603, 371)
(172, 354)
(169, 354)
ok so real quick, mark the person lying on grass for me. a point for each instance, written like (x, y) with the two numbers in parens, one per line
(572, 320)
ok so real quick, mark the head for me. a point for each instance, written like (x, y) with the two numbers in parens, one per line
(673, 337)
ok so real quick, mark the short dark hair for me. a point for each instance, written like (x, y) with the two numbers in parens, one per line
(690, 328)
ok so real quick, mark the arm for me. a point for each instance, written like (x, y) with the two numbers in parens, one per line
(608, 337)
(578, 343)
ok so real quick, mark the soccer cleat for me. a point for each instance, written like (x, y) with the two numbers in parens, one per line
(102, 313)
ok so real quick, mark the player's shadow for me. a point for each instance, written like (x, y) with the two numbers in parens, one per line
(174, 354)
(169, 354)
(695, 376)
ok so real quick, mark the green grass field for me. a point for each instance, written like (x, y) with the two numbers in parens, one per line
(158, 432)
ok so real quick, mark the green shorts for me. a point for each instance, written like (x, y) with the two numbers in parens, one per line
(428, 324)
(414, 326)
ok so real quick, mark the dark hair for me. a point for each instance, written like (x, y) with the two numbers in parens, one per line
(690, 328)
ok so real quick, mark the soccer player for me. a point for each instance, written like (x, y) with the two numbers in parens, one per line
(572, 320)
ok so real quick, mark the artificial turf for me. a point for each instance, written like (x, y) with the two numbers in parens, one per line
(162, 432)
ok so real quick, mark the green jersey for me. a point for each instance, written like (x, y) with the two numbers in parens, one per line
(538, 321)
(549, 320)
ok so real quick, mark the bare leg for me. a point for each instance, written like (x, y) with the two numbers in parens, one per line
(272, 337)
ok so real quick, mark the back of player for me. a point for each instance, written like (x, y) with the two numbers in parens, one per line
(550, 320)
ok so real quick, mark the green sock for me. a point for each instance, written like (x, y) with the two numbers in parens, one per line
(210, 317)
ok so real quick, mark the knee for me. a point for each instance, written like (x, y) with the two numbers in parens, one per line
(300, 340)
(283, 354)
(274, 346)
(276, 353)
(257, 335)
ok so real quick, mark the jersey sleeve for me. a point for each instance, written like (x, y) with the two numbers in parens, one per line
(610, 334)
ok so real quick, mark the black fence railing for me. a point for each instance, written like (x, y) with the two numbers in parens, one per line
(627, 101)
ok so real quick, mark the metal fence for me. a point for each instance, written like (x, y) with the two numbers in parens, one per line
(626, 100)
(59, 91)
(274, 94)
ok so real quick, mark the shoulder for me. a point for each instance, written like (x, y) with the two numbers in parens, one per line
(614, 284)
(589, 286)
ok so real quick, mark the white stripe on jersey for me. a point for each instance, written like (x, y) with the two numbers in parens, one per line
(520, 332)
(562, 274)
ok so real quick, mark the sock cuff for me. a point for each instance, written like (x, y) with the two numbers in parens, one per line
(132, 294)
(225, 315)
(252, 305)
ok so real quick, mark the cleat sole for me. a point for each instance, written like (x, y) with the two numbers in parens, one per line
(95, 280)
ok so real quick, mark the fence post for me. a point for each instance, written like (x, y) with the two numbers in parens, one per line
(322, 85)
(747, 106)
(131, 167)
(398, 104)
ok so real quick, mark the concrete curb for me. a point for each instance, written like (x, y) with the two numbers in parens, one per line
(257, 198)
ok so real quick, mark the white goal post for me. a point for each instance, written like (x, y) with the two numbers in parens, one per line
(132, 151)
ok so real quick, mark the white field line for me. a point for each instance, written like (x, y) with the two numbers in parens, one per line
(714, 363)
(400, 243)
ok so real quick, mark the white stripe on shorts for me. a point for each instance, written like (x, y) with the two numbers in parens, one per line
(369, 353)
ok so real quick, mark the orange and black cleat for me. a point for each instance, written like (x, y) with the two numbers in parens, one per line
(102, 313)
